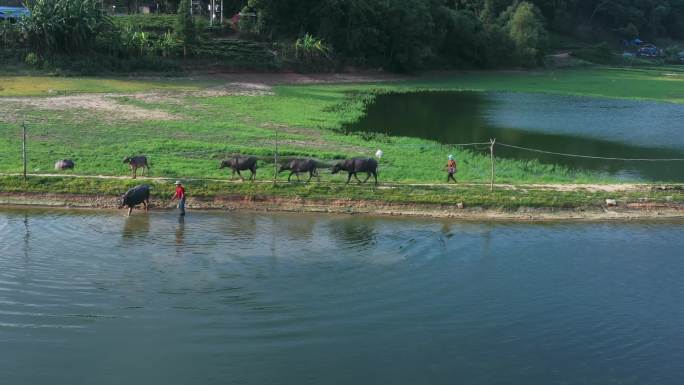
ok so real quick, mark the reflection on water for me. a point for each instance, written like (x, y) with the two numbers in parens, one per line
(352, 233)
(566, 124)
(302, 229)
(245, 229)
(246, 298)
(136, 226)
(180, 230)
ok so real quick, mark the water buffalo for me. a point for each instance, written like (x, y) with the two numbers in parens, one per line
(241, 163)
(135, 196)
(64, 164)
(137, 162)
(353, 166)
(298, 166)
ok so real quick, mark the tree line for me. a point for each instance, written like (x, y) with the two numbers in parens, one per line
(398, 35)
(410, 34)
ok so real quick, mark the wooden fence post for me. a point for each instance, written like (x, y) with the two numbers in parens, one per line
(23, 147)
(492, 142)
(275, 156)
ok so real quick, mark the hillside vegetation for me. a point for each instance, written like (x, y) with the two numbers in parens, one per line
(323, 35)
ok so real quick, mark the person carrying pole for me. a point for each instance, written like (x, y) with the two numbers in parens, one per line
(180, 195)
(451, 169)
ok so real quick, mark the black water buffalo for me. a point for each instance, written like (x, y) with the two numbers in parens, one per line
(135, 196)
(241, 163)
(64, 164)
(137, 162)
(298, 166)
(356, 165)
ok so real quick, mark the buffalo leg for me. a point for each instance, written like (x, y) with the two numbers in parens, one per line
(135, 172)
(357, 178)
(253, 176)
(130, 209)
(147, 205)
(367, 177)
(297, 175)
(290, 176)
(375, 175)
(349, 177)
(311, 174)
(241, 178)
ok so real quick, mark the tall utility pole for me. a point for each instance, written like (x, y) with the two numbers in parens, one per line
(23, 147)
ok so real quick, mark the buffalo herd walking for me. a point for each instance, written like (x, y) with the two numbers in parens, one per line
(140, 194)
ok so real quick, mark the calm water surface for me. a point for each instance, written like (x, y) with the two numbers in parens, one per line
(226, 298)
(567, 124)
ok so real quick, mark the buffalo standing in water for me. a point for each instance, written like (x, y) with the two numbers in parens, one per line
(135, 196)
(356, 165)
(241, 163)
(64, 164)
(137, 162)
(298, 166)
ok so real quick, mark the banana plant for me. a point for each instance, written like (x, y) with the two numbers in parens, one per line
(140, 41)
(309, 49)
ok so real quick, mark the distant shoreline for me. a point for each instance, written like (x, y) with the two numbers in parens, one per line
(629, 212)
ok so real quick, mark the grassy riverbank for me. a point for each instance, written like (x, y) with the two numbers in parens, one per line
(452, 200)
(187, 127)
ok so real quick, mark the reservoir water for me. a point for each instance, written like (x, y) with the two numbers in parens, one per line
(244, 298)
(588, 126)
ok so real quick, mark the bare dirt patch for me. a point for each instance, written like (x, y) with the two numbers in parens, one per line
(104, 105)
(271, 79)
(227, 89)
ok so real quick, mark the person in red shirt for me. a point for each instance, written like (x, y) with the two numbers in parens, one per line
(451, 169)
(180, 195)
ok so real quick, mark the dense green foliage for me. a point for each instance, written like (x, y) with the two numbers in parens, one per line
(400, 35)
(65, 25)
(77, 36)
(147, 22)
(410, 34)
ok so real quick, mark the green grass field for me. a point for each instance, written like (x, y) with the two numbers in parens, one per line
(187, 135)
(55, 86)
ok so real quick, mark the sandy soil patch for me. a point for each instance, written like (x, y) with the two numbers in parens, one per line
(104, 105)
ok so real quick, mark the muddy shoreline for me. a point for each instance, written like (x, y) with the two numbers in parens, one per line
(630, 212)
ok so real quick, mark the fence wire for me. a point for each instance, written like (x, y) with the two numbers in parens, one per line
(590, 156)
